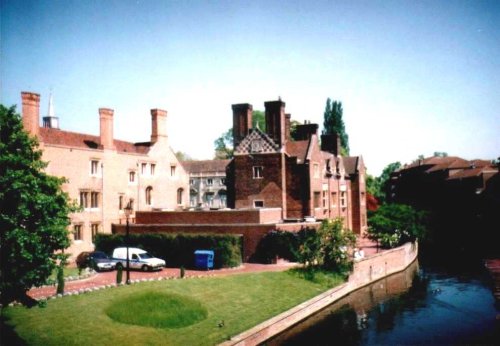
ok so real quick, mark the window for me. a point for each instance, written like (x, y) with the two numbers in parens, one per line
(317, 199)
(77, 232)
(172, 170)
(191, 181)
(223, 181)
(84, 199)
(94, 167)
(343, 203)
(95, 230)
(180, 192)
(334, 199)
(316, 170)
(131, 177)
(120, 202)
(258, 204)
(149, 191)
(209, 198)
(324, 199)
(131, 203)
(152, 169)
(210, 182)
(144, 168)
(257, 172)
(94, 199)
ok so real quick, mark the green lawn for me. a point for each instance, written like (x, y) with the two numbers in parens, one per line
(241, 301)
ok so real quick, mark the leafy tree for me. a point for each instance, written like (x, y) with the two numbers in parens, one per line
(181, 156)
(224, 146)
(396, 224)
(333, 123)
(440, 154)
(33, 212)
(379, 186)
(259, 119)
(327, 248)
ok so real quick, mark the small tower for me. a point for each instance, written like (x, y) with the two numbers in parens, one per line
(51, 121)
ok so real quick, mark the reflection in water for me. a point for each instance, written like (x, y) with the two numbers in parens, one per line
(417, 306)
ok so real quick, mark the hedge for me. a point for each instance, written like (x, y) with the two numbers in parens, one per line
(281, 244)
(178, 249)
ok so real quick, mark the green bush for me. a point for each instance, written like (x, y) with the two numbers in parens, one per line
(178, 249)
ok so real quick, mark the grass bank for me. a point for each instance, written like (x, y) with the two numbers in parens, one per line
(233, 304)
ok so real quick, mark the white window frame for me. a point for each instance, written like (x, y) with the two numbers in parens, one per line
(258, 172)
(94, 167)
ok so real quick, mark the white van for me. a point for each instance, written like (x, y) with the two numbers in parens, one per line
(138, 259)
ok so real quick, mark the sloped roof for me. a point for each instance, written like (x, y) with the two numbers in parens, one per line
(454, 163)
(433, 160)
(205, 166)
(81, 140)
(350, 164)
(297, 149)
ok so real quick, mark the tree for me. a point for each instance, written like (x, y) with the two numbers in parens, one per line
(396, 224)
(327, 248)
(333, 123)
(440, 154)
(182, 156)
(224, 146)
(33, 212)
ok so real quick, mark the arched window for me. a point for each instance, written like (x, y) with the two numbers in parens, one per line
(149, 193)
(180, 192)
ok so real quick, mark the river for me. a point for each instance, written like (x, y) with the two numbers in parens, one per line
(423, 305)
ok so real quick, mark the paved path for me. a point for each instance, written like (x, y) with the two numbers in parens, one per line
(109, 278)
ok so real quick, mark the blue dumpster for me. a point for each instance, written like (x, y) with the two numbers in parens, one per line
(204, 259)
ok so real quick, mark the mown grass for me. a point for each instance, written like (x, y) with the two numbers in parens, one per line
(233, 304)
(158, 310)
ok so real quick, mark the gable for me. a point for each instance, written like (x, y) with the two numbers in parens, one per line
(256, 142)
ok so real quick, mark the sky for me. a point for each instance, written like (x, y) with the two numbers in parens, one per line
(414, 77)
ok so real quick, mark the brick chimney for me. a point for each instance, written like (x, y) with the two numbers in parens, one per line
(275, 121)
(242, 121)
(331, 143)
(31, 112)
(306, 130)
(106, 127)
(159, 125)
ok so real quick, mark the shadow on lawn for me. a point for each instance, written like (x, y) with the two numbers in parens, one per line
(8, 336)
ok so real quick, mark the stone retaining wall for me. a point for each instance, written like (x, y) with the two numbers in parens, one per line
(365, 272)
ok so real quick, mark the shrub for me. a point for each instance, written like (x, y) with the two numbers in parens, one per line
(396, 224)
(178, 249)
(277, 244)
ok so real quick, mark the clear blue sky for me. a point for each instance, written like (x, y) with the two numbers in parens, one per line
(414, 77)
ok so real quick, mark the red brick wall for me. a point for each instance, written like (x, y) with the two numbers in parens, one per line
(268, 189)
(263, 215)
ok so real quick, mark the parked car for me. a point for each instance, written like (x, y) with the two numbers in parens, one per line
(138, 259)
(96, 260)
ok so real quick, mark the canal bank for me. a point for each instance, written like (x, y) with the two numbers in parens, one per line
(365, 272)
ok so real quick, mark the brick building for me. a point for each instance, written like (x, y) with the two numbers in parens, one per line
(104, 174)
(207, 183)
(301, 176)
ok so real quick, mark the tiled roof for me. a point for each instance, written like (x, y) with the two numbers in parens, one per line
(466, 173)
(350, 164)
(297, 149)
(455, 163)
(430, 161)
(205, 166)
(80, 140)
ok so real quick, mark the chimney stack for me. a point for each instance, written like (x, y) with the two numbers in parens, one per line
(106, 127)
(31, 112)
(242, 121)
(288, 129)
(306, 130)
(275, 121)
(331, 143)
(159, 125)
